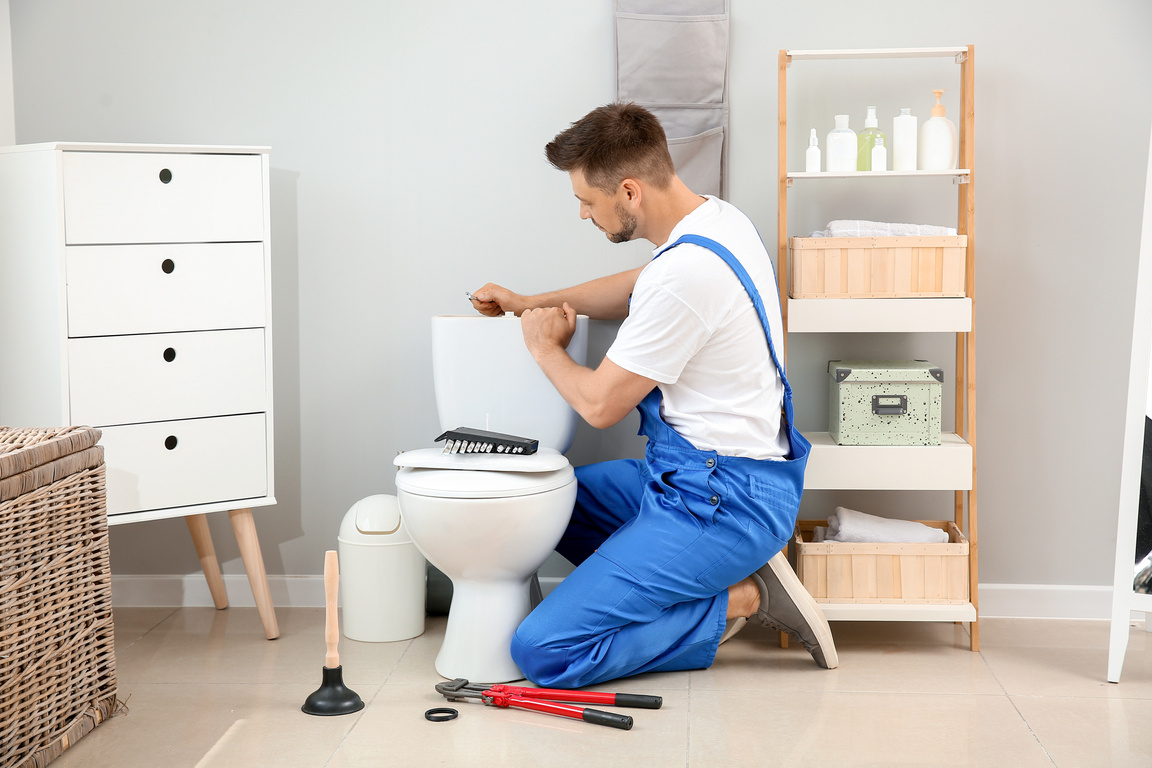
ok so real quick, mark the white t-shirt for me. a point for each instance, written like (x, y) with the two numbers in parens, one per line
(692, 328)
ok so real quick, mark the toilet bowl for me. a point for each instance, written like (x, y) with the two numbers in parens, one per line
(489, 521)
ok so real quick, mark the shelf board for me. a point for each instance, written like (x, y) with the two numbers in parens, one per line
(877, 53)
(944, 467)
(952, 315)
(961, 175)
(898, 612)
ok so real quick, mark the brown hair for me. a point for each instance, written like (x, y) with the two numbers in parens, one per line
(613, 143)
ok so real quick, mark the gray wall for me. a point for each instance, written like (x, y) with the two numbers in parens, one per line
(7, 118)
(407, 168)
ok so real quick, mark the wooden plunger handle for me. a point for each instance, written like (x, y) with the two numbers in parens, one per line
(331, 621)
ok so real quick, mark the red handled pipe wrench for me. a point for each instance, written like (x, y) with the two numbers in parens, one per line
(544, 700)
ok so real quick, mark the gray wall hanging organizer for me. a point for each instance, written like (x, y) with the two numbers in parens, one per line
(672, 57)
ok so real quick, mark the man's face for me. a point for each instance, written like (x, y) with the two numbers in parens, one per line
(606, 211)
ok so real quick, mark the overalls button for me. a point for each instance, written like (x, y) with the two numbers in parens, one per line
(710, 463)
(714, 500)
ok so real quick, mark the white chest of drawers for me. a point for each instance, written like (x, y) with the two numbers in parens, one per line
(135, 296)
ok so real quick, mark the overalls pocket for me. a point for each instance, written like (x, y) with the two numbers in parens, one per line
(696, 491)
(779, 505)
(749, 550)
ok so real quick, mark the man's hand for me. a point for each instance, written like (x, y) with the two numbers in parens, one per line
(548, 329)
(602, 396)
(494, 300)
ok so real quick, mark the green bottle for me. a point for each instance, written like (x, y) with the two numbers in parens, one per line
(866, 139)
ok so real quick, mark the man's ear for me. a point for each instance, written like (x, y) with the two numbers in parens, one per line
(632, 190)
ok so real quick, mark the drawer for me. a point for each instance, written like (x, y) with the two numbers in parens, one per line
(164, 376)
(141, 197)
(177, 463)
(122, 289)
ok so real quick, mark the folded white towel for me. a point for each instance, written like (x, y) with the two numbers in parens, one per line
(850, 525)
(861, 228)
(819, 533)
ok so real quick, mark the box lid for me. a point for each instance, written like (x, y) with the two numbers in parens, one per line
(884, 370)
(31, 458)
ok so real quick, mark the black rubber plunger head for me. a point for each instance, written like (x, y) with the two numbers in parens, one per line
(333, 697)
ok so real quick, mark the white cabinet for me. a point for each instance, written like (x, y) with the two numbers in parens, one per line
(135, 297)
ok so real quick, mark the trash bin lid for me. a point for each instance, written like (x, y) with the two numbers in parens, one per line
(375, 520)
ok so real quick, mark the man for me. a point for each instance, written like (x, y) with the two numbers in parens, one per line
(675, 552)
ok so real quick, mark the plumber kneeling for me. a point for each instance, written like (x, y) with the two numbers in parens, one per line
(674, 553)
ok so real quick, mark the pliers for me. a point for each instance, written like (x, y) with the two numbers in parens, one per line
(543, 700)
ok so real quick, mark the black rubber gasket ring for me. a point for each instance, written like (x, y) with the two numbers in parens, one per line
(441, 714)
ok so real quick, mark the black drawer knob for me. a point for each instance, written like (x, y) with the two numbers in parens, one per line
(165, 176)
(170, 442)
(169, 354)
(167, 265)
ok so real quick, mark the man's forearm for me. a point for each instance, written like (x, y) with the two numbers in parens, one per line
(605, 298)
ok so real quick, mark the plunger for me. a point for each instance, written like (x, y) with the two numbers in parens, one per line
(332, 697)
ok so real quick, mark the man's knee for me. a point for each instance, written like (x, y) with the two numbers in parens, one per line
(545, 665)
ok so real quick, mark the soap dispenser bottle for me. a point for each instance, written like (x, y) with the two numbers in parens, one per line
(938, 145)
(841, 147)
(812, 154)
(866, 140)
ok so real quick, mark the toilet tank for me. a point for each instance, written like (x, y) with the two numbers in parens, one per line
(485, 378)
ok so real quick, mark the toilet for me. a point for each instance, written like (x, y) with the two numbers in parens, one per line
(488, 520)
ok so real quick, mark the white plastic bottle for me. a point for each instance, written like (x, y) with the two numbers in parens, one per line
(812, 154)
(879, 155)
(938, 145)
(841, 147)
(866, 140)
(904, 141)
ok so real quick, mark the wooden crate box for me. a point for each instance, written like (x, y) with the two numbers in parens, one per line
(841, 572)
(877, 267)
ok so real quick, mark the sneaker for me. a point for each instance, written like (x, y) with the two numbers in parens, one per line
(731, 628)
(785, 605)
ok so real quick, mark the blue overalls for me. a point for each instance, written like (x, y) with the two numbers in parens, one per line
(657, 544)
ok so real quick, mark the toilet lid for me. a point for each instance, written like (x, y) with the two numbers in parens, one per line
(480, 484)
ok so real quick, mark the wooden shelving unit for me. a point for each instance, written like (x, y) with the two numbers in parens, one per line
(951, 465)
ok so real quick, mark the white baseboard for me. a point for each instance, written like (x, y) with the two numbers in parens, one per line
(1045, 601)
(191, 591)
(1042, 601)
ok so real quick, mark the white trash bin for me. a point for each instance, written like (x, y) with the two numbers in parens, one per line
(382, 574)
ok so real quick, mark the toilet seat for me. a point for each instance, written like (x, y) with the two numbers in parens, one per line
(430, 472)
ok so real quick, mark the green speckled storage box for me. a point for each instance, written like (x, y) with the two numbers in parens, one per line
(884, 402)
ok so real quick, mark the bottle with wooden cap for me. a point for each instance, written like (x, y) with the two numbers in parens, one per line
(938, 143)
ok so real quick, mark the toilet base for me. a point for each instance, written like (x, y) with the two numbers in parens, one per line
(481, 622)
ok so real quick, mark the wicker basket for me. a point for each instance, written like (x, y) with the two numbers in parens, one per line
(57, 658)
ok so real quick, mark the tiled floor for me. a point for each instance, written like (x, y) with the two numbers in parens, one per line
(204, 688)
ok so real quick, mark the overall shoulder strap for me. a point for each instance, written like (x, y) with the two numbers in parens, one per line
(749, 287)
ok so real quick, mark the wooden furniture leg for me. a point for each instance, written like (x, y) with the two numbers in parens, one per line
(202, 539)
(245, 529)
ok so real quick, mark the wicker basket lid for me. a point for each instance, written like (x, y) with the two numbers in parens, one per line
(25, 449)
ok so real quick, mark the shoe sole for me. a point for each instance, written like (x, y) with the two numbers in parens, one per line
(825, 651)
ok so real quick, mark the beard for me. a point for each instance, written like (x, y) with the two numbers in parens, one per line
(627, 225)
